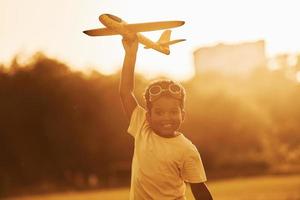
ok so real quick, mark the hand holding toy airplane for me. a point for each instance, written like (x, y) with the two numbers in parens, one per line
(116, 26)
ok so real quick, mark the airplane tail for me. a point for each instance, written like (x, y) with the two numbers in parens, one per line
(165, 41)
(165, 37)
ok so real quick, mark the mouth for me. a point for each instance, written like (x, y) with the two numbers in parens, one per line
(167, 126)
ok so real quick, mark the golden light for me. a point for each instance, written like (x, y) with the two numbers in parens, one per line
(298, 76)
(272, 64)
(48, 26)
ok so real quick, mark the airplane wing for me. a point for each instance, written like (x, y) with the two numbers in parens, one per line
(140, 27)
(100, 32)
(152, 26)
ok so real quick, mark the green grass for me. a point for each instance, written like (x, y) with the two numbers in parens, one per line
(252, 188)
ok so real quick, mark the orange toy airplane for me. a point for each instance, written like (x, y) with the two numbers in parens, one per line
(116, 26)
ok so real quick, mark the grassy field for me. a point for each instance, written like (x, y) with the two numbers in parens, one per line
(254, 188)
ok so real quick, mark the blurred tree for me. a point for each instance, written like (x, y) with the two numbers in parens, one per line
(62, 127)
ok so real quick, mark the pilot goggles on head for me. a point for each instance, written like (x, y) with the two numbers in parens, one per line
(174, 90)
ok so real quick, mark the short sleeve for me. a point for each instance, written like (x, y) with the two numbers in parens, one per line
(137, 120)
(192, 170)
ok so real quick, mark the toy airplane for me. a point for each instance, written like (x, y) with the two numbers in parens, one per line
(116, 26)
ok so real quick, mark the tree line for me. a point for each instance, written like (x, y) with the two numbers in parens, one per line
(64, 129)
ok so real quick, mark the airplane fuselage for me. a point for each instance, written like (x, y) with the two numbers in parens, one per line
(118, 25)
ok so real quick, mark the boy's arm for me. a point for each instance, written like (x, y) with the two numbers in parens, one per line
(200, 191)
(126, 88)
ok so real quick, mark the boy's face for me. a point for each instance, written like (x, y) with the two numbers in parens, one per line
(165, 116)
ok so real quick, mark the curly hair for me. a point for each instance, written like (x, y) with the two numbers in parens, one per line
(164, 83)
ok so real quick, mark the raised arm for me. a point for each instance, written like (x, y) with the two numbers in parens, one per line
(126, 88)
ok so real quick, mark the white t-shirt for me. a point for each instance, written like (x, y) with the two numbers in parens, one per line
(161, 166)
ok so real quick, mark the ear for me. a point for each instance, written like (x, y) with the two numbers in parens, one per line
(182, 115)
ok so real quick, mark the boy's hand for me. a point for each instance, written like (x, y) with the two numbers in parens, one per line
(130, 44)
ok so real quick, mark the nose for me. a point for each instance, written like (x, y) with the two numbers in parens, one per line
(167, 116)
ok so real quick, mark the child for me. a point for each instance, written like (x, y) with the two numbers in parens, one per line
(164, 160)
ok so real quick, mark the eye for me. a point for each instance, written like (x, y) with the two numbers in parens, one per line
(174, 112)
(158, 112)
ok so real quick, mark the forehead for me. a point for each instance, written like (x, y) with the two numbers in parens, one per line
(162, 84)
(166, 102)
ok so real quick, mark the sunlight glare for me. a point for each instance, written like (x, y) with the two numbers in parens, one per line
(49, 27)
(298, 76)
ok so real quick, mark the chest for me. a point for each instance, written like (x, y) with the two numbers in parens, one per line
(159, 155)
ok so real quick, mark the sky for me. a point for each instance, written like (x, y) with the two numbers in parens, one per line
(55, 27)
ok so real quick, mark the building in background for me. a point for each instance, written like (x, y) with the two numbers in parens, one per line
(230, 59)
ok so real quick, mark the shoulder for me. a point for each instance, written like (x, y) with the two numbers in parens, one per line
(189, 149)
(137, 120)
(138, 111)
(187, 143)
(184, 147)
